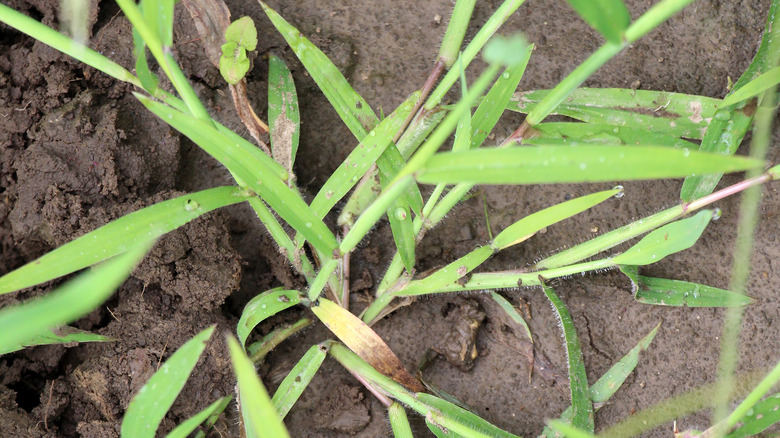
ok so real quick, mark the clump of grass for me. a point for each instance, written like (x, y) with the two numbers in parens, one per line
(382, 175)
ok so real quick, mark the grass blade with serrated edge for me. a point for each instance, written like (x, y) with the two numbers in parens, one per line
(61, 335)
(398, 421)
(611, 381)
(74, 299)
(754, 87)
(260, 418)
(561, 164)
(730, 123)
(510, 310)
(361, 158)
(609, 17)
(669, 239)
(284, 117)
(492, 105)
(117, 236)
(577, 134)
(148, 407)
(527, 226)
(762, 415)
(582, 407)
(362, 340)
(664, 292)
(262, 179)
(459, 420)
(298, 379)
(264, 306)
(258, 350)
(189, 425)
(353, 110)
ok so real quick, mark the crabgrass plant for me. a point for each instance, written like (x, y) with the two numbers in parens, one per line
(612, 139)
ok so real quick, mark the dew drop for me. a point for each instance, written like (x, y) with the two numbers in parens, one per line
(373, 134)
(686, 152)
(583, 166)
(716, 214)
(308, 224)
(400, 213)
(191, 205)
(329, 194)
(263, 306)
(620, 192)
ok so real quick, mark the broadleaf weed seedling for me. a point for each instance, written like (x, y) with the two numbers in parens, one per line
(394, 155)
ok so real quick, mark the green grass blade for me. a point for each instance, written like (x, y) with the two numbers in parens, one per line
(759, 418)
(264, 306)
(582, 408)
(184, 429)
(454, 271)
(510, 310)
(398, 421)
(151, 403)
(660, 291)
(258, 350)
(284, 117)
(675, 114)
(390, 164)
(492, 106)
(259, 175)
(61, 335)
(608, 384)
(298, 379)
(260, 418)
(456, 30)
(21, 323)
(439, 432)
(754, 87)
(212, 419)
(402, 226)
(353, 109)
(559, 164)
(529, 225)
(567, 430)
(459, 420)
(609, 17)
(669, 239)
(418, 131)
(119, 235)
(361, 158)
(577, 134)
(730, 123)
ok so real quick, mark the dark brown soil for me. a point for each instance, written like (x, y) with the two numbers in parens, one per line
(77, 150)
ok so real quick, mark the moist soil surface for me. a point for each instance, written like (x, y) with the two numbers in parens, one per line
(78, 150)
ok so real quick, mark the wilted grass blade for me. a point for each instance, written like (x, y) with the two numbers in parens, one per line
(608, 384)
(562, 164)
(119, 235)
(61, 335)
(284, 117)
(582, 408)
(512, 313)
(609, 17)
(151, 403)
(660, 291)
(298, 379)
(188, 426)
(260, 418)
(669, 239)
(21, 323)
(353, 109)
(264, 306)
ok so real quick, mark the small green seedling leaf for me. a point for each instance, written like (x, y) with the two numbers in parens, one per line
(510, 310)
(353, 109)
(529, 225)
(118, 236)
(512, 51)
(609, 17)
(260, 418)
(563, 164)
(284, 117)
(764, 414)
(151, 403)
(660, 291)
(458, 420)
(669, 239)
(184, 429)
(582, 413)
(241, 37)
(264, 306)
(21, 323)
(608, 384)
(298, 379)
(62, 335)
